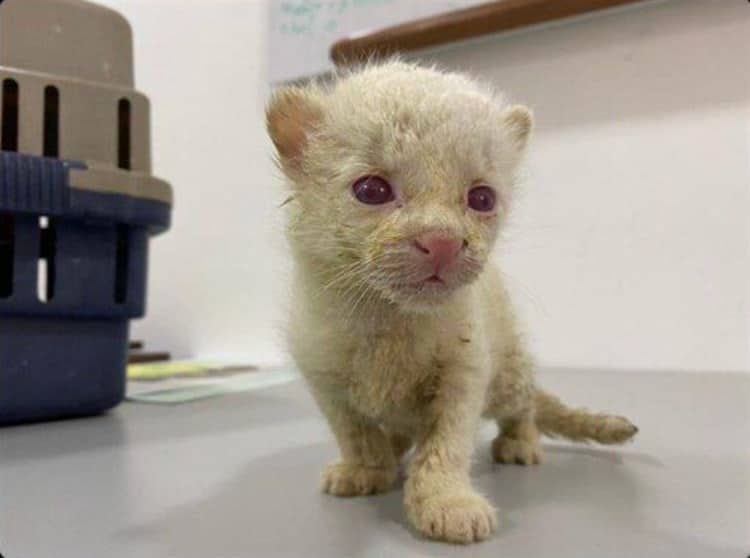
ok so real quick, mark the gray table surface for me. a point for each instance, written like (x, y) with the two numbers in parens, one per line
(237, 476)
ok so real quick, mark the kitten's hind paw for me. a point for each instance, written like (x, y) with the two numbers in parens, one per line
(514, 450)
(347, 479)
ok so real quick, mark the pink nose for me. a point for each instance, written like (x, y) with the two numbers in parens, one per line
(440, 251)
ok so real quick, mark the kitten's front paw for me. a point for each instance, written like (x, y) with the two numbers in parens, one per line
(514, 450)
(464, 517)
(346, 479)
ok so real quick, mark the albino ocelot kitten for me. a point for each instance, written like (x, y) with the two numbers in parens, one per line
(401, 178)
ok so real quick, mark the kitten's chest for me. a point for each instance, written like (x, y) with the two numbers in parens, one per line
(389, 368)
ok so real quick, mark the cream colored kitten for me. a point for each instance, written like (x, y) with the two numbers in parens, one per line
(401, 178)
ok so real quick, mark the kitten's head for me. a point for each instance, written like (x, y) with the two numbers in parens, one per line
(402, 177)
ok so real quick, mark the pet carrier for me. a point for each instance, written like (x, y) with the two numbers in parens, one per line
(77, 207)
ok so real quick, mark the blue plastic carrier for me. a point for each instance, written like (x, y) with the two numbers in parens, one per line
(64, 344)
(78, 204)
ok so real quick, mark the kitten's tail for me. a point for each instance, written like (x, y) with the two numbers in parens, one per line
(554, 418)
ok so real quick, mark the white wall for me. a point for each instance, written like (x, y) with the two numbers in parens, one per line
(214, 277)
(631, 247)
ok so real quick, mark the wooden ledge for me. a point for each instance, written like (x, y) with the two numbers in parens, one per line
(468, 23)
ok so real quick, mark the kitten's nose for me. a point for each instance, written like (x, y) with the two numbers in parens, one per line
(440, 250)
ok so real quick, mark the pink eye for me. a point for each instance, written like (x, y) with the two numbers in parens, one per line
(373, 190)
(481, 198)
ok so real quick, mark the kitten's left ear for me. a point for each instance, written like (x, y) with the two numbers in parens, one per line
(518, 121)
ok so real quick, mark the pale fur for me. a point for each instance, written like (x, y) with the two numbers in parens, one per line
(393, 367)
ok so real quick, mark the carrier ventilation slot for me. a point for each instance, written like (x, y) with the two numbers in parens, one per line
(123, 134)
(122, 263)
(51, 122)
(46, 263)
(7, 248)
(9, 140)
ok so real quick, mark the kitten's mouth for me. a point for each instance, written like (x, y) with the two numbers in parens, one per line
(434, 281)
(431, 284)
(423, 294)
(427, 286)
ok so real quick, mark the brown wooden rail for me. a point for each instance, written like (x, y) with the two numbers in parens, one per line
(460, 25)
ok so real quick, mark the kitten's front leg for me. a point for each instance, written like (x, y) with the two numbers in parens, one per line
(367, 464)
(438, 496)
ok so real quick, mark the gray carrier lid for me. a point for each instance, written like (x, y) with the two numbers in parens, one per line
(75, 58)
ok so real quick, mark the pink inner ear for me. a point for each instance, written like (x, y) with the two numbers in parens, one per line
(290, 138)
(291, 117)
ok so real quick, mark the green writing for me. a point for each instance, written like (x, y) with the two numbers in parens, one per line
(308, 17)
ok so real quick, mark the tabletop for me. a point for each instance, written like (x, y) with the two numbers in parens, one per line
(237, 476)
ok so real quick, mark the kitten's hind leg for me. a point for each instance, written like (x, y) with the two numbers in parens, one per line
(518, 441)
(343, 478)
(401, 444)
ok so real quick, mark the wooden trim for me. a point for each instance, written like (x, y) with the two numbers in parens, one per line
(138, 357)
(468, 23)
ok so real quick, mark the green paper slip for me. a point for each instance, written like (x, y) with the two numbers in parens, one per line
(150, 371)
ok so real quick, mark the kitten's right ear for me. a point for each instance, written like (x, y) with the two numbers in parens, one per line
(291, 115)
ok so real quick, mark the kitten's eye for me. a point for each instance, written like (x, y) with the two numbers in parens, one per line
(373, 190)
(481, 198)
